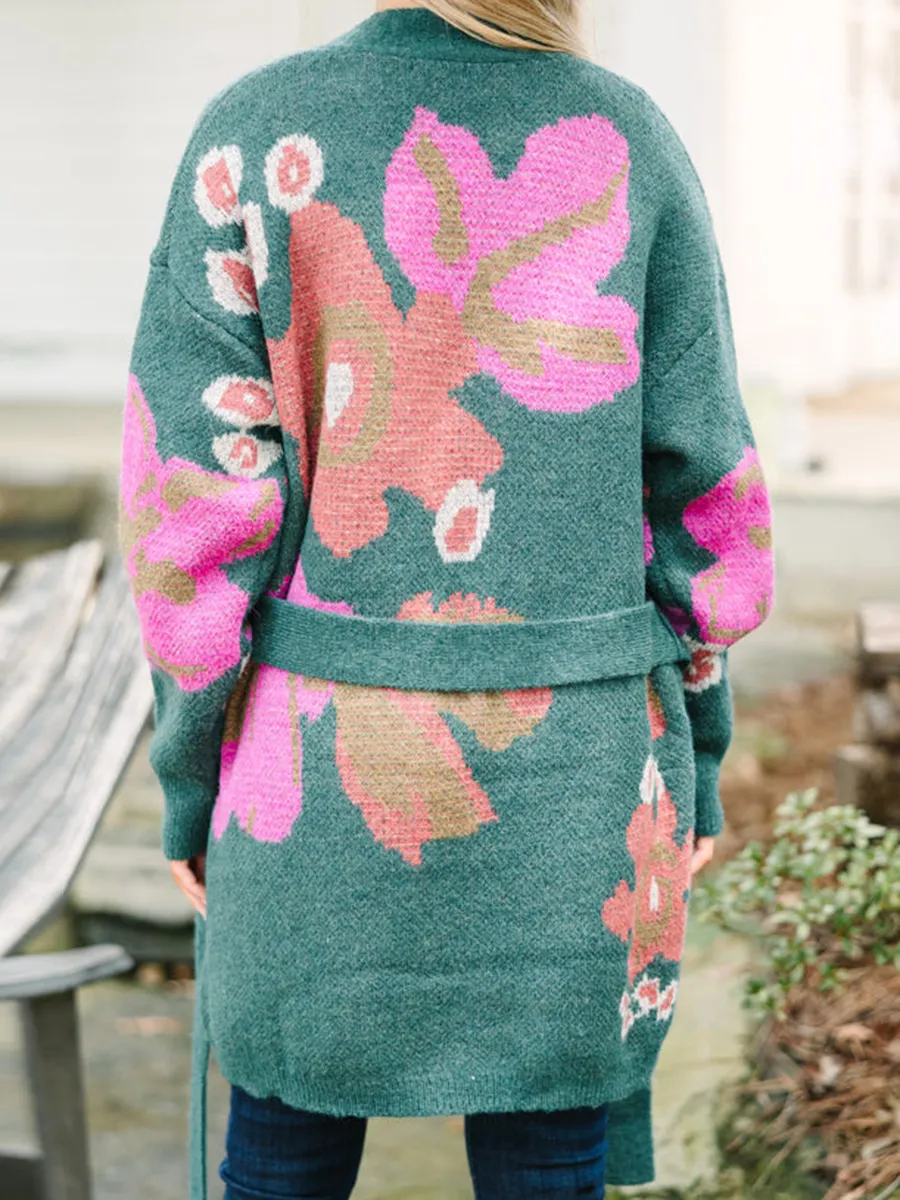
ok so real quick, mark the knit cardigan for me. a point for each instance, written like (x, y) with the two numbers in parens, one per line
(435, 361)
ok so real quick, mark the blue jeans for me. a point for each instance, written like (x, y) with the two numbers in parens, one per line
(275, 1152)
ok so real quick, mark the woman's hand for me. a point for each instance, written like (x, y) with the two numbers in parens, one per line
(190, 875)
(703, 852)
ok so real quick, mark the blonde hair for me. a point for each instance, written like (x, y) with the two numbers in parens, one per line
(517, 24)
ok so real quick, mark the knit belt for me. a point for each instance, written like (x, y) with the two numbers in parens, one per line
(444, 656)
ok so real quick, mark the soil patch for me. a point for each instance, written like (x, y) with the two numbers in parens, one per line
(784, 742)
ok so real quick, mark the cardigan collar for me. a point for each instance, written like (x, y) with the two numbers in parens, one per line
(421, 33)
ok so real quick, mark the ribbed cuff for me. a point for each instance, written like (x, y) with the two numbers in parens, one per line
(185, 827)
(709, 816)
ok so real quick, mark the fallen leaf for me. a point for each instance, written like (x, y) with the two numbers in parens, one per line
(830, 1070)
(854, 1032)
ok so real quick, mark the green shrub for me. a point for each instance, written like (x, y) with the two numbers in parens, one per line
(824, 896)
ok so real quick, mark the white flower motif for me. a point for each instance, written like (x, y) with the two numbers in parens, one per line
(652, 784)
(463, 521)
(245, 403)
(218, 184)
(650, 998)
(626, 1013)
(245, 455)
(231, 280)
(257, 245)
(339, 384)
(666, 1005)
(705, 668)
(295, 169)
(647, 993)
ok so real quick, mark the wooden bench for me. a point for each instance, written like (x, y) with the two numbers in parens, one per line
(75, 695)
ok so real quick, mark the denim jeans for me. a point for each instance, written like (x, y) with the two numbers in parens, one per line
(275, 1152)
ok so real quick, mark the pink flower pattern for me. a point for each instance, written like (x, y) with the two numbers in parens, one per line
(181, 525)
(733, 522)
(521, 262)
(397, 757)
(260, 783)
(646, 998)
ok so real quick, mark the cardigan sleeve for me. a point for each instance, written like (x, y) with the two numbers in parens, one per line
(203, 490)
(708, 525)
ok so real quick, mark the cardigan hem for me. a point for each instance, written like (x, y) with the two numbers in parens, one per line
(438, 1096)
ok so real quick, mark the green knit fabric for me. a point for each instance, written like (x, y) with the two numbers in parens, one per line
(437, 332)
(462, 656)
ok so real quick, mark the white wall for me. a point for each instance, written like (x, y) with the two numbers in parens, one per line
(673, 49)
(759, 91)
(785, 196)
(97, 100)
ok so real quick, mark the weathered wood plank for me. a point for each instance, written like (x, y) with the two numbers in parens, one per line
(101, 774)
(108, 638)
(24, 976)
(53, 1060)
(56, 780)
(878, 641)
(38, 622)
(39, 762)
(35, 882)
(75, 695)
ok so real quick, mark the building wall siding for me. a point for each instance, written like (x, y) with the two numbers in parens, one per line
(97, 101)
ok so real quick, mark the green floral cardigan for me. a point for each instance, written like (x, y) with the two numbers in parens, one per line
(441, 510)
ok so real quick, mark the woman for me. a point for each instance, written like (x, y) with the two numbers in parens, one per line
(441, 509)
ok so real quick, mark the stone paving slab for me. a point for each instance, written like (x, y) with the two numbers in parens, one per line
(137, 1052)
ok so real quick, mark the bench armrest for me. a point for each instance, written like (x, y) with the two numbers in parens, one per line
(28, 976)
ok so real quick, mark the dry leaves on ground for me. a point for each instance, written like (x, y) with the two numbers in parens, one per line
(832, 1071)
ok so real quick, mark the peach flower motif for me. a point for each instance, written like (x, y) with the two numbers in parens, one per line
(627, 1013)
(181, 526)
(397, 757)
(652, 916)
(705, 669)
(666, 1005)
(367, 395)
(647, 997)
(646, 993)
(656, 715)
(463, 521)
(246, 403)
(245, 455)
(232, 282)
(295, 170)
(419, 787)
(218, 184)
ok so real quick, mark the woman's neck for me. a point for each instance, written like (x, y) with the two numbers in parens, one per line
(381, 5)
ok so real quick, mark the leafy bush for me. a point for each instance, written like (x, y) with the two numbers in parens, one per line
(825, 895)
